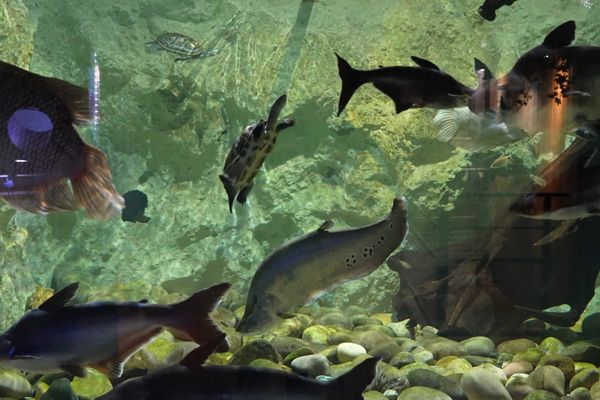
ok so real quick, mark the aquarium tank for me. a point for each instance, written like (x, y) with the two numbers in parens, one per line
(299, 199)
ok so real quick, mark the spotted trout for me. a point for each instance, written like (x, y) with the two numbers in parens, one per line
(305, 268)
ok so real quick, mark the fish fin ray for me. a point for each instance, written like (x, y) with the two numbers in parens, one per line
(198, 356)
(421, 62)
(243, 195)
(94, 189)
(447, 121)
(43, 199)
(561, 36)
(325, 226)
(563, 229)
(75, 370)
(60, 299)
(75, 97)
(112, 368)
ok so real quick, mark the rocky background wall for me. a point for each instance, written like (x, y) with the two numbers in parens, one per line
(168, 126)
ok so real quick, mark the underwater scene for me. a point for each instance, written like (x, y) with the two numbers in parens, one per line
(309, 199)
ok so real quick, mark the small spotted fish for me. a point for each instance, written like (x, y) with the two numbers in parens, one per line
(502, 161)
(249, 153)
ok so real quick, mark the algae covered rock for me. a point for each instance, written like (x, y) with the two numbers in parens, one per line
(13, 384)
(60, 389)
(256, 349)
(421, 392)
(480, 384)
(95, 384)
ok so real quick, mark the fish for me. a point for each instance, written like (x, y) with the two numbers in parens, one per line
(45, 166)
(302, 270)
(103, 335)
(489, 7)
(189, 380)
(501, 162)
(576, 175)
(249, 152)
(409, 87)
(136, 202)
(462, 128)
(554, 86)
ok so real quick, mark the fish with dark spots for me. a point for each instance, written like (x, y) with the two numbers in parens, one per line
(249, 152)
(103, 335)
(307, 267)
(189, 380)
(554, 86)
(489, 7)
(409, 87)
(44, 164)
(136, 202)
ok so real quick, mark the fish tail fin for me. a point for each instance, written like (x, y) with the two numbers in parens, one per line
(351, 385)
(351, 80)
(94, 189)
(43, 199)
(191, 318)
(447, 122)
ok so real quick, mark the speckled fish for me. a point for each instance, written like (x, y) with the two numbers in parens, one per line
(191, 381)
(249, 153)
(409, 87)
(102, 335)
(305, 268)
(44, 164)
(184, 46)
(552, 87)
(489, 7)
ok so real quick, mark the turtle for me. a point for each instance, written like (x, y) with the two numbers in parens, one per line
(182, 45)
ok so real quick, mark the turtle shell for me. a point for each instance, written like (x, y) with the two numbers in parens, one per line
(179, 44)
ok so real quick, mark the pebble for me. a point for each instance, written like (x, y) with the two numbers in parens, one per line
(303, 351)
(580, 394)
(585, 378)
(590, 327)
(317, 334)
(253, 350)
(552, 345)
(311, 365)
(564, 363)
(349, 351)
(548, 378)
(441, 347)
(422, 393)
(336, 319)
(517, 367)
(285, 345)
(95, 384)
(515, 346)
(13, 384)
(479, 346)
(517, 386)
(400, 329)
(385, 351)
(480, 384)
(401, 359)
(423, 377)
(541, 395)
(388, 377)
(60, 389)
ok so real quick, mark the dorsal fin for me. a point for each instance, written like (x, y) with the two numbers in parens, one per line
(421, 62)
(482, 71)
(75, 97)
(198, 356)
(60, 298)
(325, 226)
(561, 36)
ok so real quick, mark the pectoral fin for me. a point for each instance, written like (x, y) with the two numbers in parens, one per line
(111, 368)
(325, 226)
(563, 229)
(75, 370)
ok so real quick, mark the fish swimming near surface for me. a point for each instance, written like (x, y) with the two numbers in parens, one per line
(554, 86)
(489, 7)
(305, 268)
(136, 202)
(576, 174)
(189, 380)
(44, 164)
(460, 127)
(249, 152)
(409, 87)
(102, 335)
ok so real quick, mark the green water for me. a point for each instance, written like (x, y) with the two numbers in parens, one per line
(168, 126)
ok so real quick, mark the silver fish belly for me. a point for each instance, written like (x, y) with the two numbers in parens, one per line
(302, 270)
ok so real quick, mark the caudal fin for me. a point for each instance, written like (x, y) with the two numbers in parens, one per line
(191, 318)
(351, 385)
(94, 189)
(351, 80)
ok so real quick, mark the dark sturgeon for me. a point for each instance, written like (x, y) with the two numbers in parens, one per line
(305, 268)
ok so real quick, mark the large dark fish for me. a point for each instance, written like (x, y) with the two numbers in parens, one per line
(102, 335)
(305, 268)
(41, 152)
(408, 87)
(191, 381)
(552, 87)
(489, 7)
(250, 151)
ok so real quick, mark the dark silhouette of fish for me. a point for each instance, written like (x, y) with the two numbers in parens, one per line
(249, 152)
(136, 202)
(408, 87)
(305, 268)
(102, 335)
(41, 152)
(553, 86)
(489, 7)
(191, 381)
